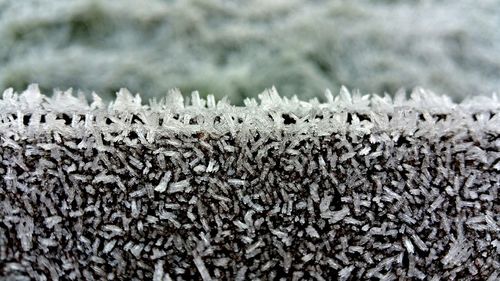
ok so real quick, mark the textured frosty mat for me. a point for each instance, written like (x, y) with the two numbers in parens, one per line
(358, 187)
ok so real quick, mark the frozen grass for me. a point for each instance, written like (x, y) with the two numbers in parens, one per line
(358, 187)
(239, 48)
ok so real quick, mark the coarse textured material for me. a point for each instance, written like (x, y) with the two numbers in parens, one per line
(358, 187)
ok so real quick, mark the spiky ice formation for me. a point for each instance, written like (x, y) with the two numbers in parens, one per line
(359, 187)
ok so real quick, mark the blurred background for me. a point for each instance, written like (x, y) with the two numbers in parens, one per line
(239, 48)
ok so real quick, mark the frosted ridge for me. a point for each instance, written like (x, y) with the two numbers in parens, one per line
(65, 101)
(358, 187)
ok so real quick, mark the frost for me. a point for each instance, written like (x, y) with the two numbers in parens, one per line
(113, 228)
(252, 248)
(311, 231)
(25, 233)
(240, 276)
(137, 249)
(345, 273)
(162, 186)
(50, 222)
(178, 186)
(236, 182)
(335, 216)
(202, 269)
(458, 253)
(363, 186)
(158, 273)
(408, 245)
(109, 246)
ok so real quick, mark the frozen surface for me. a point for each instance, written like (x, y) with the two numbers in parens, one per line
(359, 187)
(239, 48)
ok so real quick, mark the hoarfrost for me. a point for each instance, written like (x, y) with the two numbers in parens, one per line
(162, 186)
(345, 273)
(363, 186)
(178, 186)
(202, 269)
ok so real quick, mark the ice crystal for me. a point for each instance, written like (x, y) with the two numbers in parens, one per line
(358, 187)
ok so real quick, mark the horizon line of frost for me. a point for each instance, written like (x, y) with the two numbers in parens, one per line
(32, 99)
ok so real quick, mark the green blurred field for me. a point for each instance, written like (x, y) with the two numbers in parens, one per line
(238, 48)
